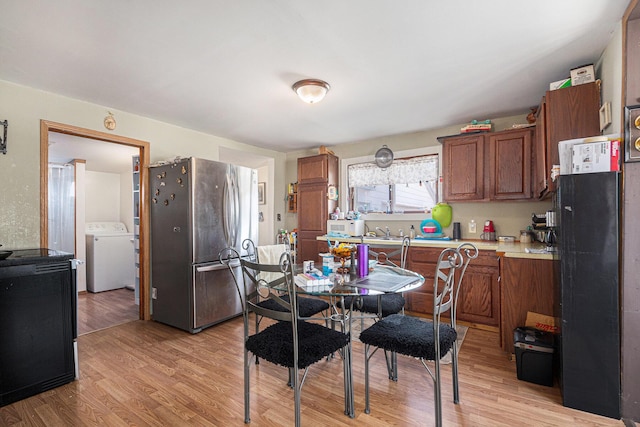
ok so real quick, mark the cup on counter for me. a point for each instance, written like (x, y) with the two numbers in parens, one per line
(525, 236)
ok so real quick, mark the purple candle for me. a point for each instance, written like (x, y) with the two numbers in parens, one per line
(363, 259)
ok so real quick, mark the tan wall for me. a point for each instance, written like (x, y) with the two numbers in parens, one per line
(24, 107)
(509, 217)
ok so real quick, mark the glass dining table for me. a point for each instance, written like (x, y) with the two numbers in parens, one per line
(381, 279)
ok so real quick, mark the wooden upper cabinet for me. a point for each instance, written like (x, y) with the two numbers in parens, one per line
(510, 164)
(463, 168)
(320, 168)
(315, 175)
(488, 166)
(571, 113)
(563, 114)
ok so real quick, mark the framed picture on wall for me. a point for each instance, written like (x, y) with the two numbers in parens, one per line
(261, 193)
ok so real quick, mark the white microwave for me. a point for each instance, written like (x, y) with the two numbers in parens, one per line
(352, 227)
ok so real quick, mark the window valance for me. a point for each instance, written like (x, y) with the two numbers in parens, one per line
(401, 171)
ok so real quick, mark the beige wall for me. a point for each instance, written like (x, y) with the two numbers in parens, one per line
(509, 217)
(103, 197)
(24, 107)
(609, 68)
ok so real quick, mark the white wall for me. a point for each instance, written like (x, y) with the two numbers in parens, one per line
(265, 227)
(102, 196)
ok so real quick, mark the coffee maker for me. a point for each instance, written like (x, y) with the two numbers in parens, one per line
(543, 226)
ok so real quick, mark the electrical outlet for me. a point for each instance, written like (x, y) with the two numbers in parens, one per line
(154, 293)
(472, 227)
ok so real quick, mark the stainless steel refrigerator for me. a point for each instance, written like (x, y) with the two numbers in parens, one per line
(588, 249)
(198, 207)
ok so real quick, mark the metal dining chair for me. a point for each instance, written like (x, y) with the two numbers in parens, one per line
(387, 304)
(425, 340)
(270, 254)
(290, 341)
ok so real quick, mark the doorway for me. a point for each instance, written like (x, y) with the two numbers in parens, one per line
(143, 148)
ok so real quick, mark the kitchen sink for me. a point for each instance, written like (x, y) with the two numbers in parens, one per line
(383, 238)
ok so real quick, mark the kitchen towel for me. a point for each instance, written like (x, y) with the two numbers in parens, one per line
(270, 254)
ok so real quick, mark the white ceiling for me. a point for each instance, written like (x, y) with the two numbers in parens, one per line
(99, 156)
(226, 67)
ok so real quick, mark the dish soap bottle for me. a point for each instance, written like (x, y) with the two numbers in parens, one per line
(412, 232)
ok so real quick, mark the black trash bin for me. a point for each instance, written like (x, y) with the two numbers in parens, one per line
(534, 355)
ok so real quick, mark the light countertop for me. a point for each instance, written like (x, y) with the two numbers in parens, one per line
(510, 250)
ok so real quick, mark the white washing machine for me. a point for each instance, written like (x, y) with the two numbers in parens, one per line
(110, 256)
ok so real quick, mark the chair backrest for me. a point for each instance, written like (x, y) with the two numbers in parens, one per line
(385, 258)
(253, 288)
(450, 268)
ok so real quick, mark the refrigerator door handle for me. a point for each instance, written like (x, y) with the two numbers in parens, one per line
(225, 210)
(233, 213)
(215, 267)
(236, 210)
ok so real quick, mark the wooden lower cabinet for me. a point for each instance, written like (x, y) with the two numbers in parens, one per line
(527, 285)
(479, 300)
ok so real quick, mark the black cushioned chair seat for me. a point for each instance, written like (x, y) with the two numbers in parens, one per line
(315, 341)
(409, 336)
(391, 304)
(307, 307)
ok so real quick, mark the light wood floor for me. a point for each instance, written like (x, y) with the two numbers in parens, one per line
(148, 374)
(105, 309)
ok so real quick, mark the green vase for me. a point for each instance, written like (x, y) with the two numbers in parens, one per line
(442, 213)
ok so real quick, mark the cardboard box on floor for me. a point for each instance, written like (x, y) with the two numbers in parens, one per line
(542, 322)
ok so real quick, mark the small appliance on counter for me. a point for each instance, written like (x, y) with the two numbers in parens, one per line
(542, 227)
(489, 231)
(351, 227)
(539, 227)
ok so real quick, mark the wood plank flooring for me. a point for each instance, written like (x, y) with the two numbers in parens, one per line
(149, 374)
(105, 309)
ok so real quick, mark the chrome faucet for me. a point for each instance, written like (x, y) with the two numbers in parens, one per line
(387, 232)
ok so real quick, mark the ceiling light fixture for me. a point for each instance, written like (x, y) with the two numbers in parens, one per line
(311, 91)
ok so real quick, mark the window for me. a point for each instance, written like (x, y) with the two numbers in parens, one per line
(409, 185)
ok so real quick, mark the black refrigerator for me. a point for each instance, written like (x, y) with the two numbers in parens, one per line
(587, 207)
